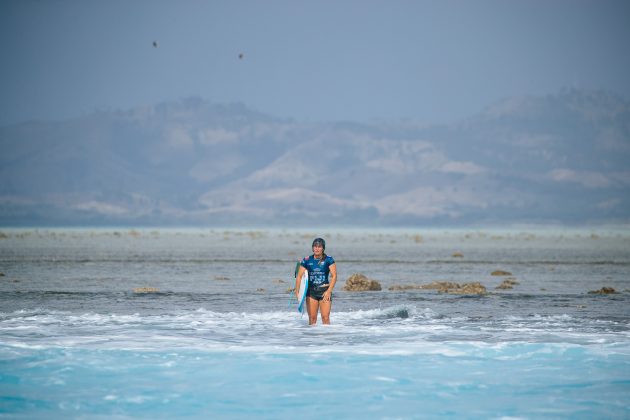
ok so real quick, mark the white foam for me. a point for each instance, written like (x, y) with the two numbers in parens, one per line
(396, 330)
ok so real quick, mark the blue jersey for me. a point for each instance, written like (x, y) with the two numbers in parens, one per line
(318, 270)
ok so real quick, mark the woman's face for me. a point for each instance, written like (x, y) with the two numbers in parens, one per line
(318, 250)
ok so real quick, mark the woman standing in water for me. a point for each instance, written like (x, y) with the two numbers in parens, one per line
(322, 276)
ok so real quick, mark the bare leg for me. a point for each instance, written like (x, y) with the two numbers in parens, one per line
(312, 305)
(324, 309)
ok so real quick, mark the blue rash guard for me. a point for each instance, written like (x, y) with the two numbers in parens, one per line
(318, 270)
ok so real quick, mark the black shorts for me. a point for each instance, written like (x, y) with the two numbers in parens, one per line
(317, 292)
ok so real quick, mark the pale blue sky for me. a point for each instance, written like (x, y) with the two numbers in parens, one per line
(313, 60)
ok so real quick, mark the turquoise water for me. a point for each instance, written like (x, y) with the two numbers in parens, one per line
(522, 380)
(219, 338)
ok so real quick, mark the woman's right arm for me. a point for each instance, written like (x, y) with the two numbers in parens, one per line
(298, 279)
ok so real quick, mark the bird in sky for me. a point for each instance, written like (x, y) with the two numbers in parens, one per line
(155, 44)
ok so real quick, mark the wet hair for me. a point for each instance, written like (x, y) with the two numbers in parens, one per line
(319, 241)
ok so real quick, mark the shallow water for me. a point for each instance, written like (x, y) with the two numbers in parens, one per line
(220, 336)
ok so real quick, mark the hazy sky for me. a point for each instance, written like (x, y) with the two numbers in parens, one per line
(311, 60)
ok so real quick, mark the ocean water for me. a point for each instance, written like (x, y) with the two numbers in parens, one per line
(217, 334)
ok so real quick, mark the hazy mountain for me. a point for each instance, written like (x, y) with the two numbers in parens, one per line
(558, 158)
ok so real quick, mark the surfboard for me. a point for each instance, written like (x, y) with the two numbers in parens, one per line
(302, 292)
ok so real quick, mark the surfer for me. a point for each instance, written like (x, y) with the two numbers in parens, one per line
(322, 276)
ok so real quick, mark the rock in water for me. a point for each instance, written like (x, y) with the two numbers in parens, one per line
(500, 273)
(603, 291)
(508, 283)
(475, 288)
(360, 283)
(441, 286)
(146, 290)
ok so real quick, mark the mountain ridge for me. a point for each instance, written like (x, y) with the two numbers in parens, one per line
(539, 159)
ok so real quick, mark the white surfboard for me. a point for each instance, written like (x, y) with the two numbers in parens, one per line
(302, 291)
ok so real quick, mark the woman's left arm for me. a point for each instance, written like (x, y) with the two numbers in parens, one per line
(332, 279)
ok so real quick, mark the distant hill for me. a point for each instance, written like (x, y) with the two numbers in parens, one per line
(560, 158)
